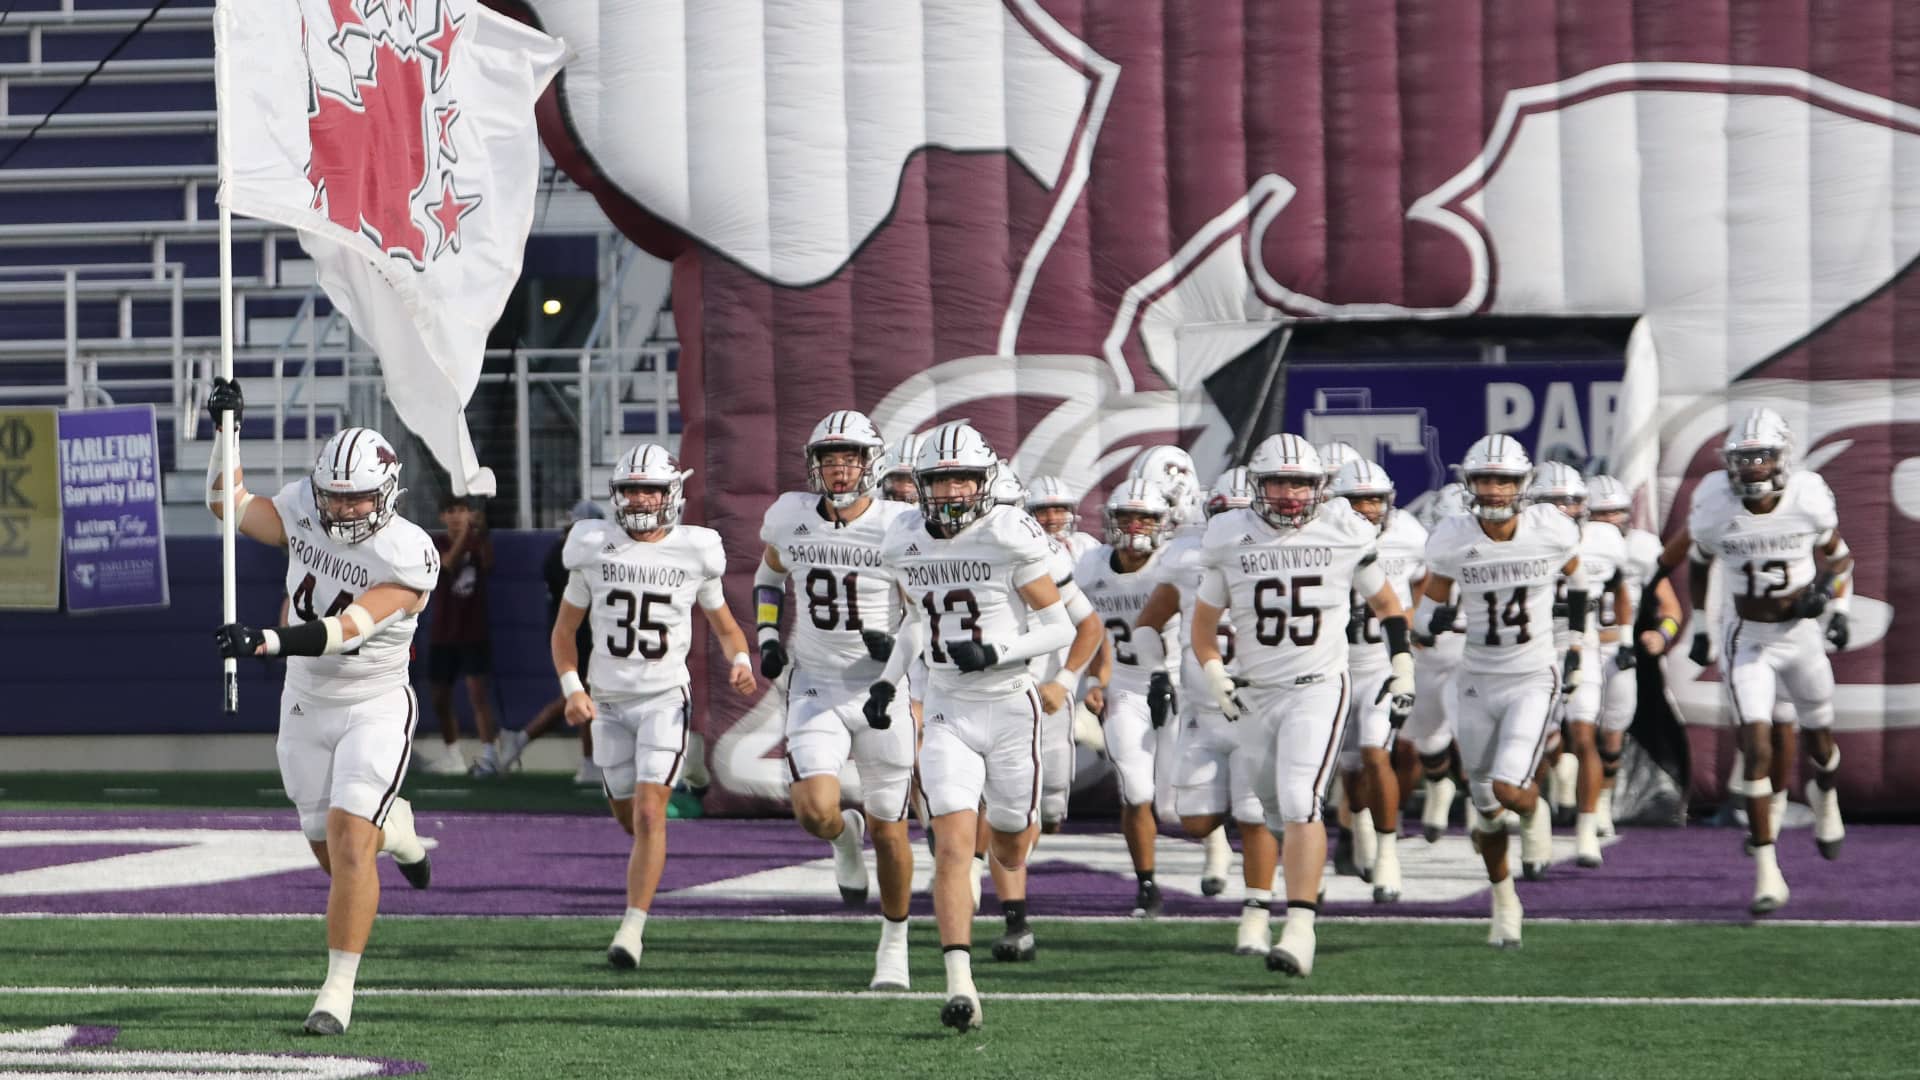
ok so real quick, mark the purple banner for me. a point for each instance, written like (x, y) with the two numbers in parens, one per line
(1417, 420)
(116, 556)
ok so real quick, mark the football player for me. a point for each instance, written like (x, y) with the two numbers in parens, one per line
(1058, 512)
(978, 574)
(358, 576)
(1117, 578)
(896, 471)
(827, 539)
(1776, 532)
(1284, 567)
(1366, 763)
(1609, 504)
(1214, 776)
(638, 578)
(1603, 556)
(1065, 719)
(1430, 730)
(1507, 559)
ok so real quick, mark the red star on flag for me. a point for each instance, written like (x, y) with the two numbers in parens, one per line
(447, 214)
(438, 43)
(443, 120)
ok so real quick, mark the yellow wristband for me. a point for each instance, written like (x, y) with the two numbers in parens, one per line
(768, 615)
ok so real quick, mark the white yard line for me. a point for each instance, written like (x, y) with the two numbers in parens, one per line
(1042, 917)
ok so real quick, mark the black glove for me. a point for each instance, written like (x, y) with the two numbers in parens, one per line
(773, 658)
(1560, 610)
(879, 701)
(1570, 669)
(972, 656)
(1399, 710)
(1838, 633)
(1702, 651)
(238, 639)
(1161, 702)
(879, 644)
(1443, 619)
(1625, 658)
(223, 398)
(1811, 603)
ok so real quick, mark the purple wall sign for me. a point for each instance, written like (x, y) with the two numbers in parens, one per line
(116, 556)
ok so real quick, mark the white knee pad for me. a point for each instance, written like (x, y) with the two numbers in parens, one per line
(1481, 792)
(313, 824)
(1818, 718)
(1007, 819)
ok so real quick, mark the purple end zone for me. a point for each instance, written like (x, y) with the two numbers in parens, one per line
(92, 1036)
(530, 864)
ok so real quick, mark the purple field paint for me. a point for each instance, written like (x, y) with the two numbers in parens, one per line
(486, 864)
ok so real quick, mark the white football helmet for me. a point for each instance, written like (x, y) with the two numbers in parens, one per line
(1172, 469)
(1559, 484)
(896, 470)
(1759, 454)
(1231, 491)
(845, 429)
(1606, 495)
(1007, 488)
(647, 467)
(1335, 455)
(951, 450)
(1362, 479)
(1288, 457)
(1499, 456)
(356, 463)
(1049, 493)
(1138, 496)
(1445, 503)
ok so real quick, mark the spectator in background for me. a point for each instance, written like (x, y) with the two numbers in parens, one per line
(554, 713)
(459, 641)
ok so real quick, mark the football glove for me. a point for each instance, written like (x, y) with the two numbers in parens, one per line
(879, 702)
(1442, 621)
(773, 658)
(1223, 687)
(223, 398)
(1161, 701)
(1811, 602)
(1701, 653)
(879, 644)
(1625, 659)
(1838, 632)
(972, 656)
(1399, 687)
(237, 640)
(1570, 672)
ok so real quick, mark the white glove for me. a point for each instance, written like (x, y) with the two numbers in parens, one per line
(1087, 730)
(1221, 686)
(1399, 689)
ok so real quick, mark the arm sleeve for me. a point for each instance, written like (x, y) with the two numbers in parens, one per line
(1075, 599)
(907, 643)
(1048, 630)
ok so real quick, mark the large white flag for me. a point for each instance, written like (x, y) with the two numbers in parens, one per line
(398, 137)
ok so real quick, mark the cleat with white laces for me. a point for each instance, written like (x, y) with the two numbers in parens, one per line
(961, 1013)
(849, 861)
(890, 959)
(1769, 887)
(398, 839)
(1213, 876)
(1586, 841)
(512, 745)
(1386, 870)
(1014, 946)
(1293, 953)
(1536, 842)
(1504, 930)
(1433, 816)
(1256, 931)
(1828, 830)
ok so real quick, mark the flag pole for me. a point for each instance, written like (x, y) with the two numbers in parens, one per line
(228, 437)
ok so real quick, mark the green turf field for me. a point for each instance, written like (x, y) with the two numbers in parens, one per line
(516, 792)
(774, 1000)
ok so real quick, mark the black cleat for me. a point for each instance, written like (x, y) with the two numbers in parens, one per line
(418, 874)
(1343, 863)
(1212, 886)
(324, 1023)
(1830, 849)
(958, 1013)
(853, 897)
(1147, 903)
(1279, 959)
(1014, 946)
(622, 959)
(1533, 871)
(1432, 833)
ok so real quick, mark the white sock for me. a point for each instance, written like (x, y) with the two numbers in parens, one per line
(1300, 917)
(336, 994)
(852, 830)
(1503, 891)
(635, 920)
(892, 932)
(1389, 840)
(1263, 897)
(959, 972)
(1584, 823)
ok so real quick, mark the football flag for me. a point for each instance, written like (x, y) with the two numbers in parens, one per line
(398, 137)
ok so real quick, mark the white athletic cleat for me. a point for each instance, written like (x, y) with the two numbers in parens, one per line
(398, 839)
(1565, 780)
(449, 762)
(1828, 830)
(587, 775)
(625, 951)
(1256, 931)
(1293, 953)
(1586, 841)
(512, 744)
(1536, 842)
(962, 1012)
(980, 872)
(849, 860)
(1603, 811)
(331, 1013)
(1386, 870)
(1366, 843)
(1433, 817)
(487, 764)
(1504, 931)
(1213, 876)
(1769, 886)
(890, 959)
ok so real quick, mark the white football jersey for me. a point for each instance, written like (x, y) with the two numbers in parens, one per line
(324, 576)
(1077, 544)
(1642, 559)
(839, 587)
(1060, 565)
(639, 599)
(969, 587)
(1288, 589)
(1763, 555)
(1603, 553)
(1403, 558)
(1506, 587)
(1117, 598)
(1182, 564)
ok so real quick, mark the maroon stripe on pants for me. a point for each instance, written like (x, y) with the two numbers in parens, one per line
(686, 721)
(1546, 728)
(1727, 654)
(1333, 743)
(406, 753)
(1033, 802)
